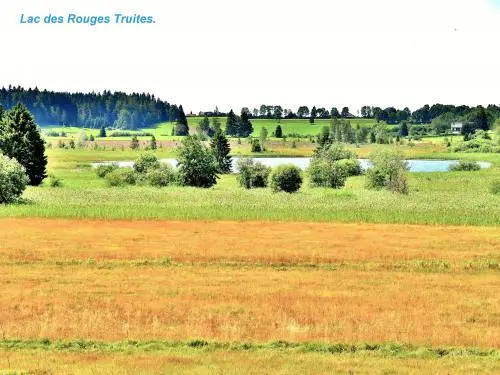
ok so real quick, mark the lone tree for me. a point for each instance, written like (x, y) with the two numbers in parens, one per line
(152, 143)
(197, 166)
(278, 133)
(20, 139)
(102, 132)
(181, 127)
(134, 143)
(219, 145)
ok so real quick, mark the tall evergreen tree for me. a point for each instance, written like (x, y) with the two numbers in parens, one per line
(245, 126)
(403, 129)
(232, 124)
(102, 132)
(181, 126)
(152, 143)
(219, 145)
(20, 139)
(278, 133)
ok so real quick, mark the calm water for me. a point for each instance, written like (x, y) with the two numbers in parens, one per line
(414, 165)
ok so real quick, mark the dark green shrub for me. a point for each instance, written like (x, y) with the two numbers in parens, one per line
(465, 165)
(121, 177)
(145, 162)
(495, 187)
(103, 169)
(287, 178)
(252, 174)
(326, 174)
(255, 145)
(13, 179)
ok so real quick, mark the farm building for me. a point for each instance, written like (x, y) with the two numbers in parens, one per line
(456, 127)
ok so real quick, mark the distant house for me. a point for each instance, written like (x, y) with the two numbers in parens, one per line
(456, 127)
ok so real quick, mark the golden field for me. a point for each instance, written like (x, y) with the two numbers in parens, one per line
(249, 281)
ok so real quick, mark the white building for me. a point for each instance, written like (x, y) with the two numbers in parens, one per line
(456, 127)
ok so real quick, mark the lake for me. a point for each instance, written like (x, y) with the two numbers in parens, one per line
(303, 163)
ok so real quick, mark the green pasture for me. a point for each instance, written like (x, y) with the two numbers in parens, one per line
(460, 198)
(163, 131)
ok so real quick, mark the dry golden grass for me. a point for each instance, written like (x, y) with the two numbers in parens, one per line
(201, 298)
(252, 242)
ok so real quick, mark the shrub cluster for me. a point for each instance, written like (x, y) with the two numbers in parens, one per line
(476, 145)
(147, 170)
(389, 171)
(331, 164)
(252, 174)
(465, 165)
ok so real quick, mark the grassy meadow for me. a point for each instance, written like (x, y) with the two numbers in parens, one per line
(144, 280)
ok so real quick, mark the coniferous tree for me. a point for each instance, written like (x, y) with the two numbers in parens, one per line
(152, 143)
(219, 145)
(232, 125)
(278, 133)
(245, 127)
(20, 139)
(403, 130)
(181, 126)
(102, 132)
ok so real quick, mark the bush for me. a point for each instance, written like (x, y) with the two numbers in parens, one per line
(121, 177)
(495, 187)
(255, 145)
(146, 162)
(55, 181)
(13, 179)
(388, 171)
(325, 174)
(465, 165)
(103, 169)
(197, 166)
(351, 166)
(334, 152)
(252, 174)
(287, 178)
(162, 176)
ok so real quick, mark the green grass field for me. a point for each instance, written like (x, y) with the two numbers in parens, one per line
(435, 198)
(163, 131)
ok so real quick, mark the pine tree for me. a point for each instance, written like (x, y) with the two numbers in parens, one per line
(232, 126)
(181, 127)
(102, 132)
(219, 145)
(278, 133)
(20, 139)
(245, 126)
(152, 143)
(403, 130)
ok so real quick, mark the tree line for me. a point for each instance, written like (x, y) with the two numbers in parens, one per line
(92, 110)
(391, 115)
